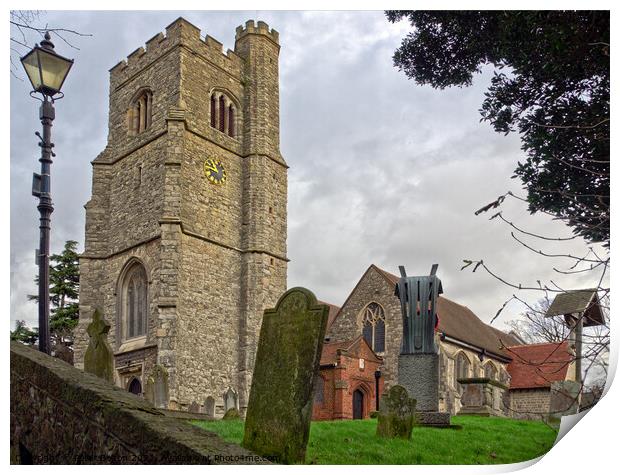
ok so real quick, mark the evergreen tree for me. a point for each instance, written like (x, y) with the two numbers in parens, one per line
(64, 292)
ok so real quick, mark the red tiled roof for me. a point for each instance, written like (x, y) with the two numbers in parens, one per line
(539, 365)
(333, 311)
(459, 322)
(329, 354)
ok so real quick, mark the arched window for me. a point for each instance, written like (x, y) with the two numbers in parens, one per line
(134, 305)
(222, 113)
(213, 110)
(135, 386)
(373, 326)
(140, 112)
(462, 368)
(231, 120)
(490, 371)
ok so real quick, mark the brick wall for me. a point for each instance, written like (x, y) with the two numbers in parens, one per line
(341, 381)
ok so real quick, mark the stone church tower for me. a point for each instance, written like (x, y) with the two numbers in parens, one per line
(186, 228)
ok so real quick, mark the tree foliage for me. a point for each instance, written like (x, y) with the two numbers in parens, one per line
(64, 292)
(551, 85)
(24, 334)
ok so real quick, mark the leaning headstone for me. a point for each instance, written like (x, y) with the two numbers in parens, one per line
(231, 414)
(277, 423)
(99, 359)
(396, 414)
(210, 406)
(230, 399)
(157, 387)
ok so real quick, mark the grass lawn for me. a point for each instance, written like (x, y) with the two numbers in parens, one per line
(482, 440)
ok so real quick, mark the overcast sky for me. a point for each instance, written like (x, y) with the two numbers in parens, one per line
(381, 171)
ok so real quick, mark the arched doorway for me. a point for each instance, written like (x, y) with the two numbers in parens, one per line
(358, 404)
(135, 387)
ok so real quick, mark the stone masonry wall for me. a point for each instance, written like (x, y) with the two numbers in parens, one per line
(373, 287)
(61, 415)
(530, 403)
(215, 254)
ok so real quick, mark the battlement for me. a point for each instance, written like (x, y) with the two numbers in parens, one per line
(260, 28)
(180, 32)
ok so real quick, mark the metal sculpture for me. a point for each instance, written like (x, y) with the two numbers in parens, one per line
(418, 302)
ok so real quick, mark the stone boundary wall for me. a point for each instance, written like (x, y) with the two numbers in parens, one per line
(61, 415)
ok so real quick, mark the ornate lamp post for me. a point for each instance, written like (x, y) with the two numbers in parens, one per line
(47, 72)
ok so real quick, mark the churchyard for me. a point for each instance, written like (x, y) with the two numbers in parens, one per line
(480, 440)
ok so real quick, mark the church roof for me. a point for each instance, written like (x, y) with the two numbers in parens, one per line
(352, 349)
(460, 323)
(333, 311)
(538, 365)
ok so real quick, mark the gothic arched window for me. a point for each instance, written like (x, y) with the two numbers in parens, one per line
(135, 386)
(213, 110)
(373, 326)
(224, 113)
(490, 371)
(231, 120)
(140, 112)
(462, 368)
(134, 302)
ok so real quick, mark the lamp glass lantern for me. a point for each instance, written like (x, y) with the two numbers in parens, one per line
(46, 70)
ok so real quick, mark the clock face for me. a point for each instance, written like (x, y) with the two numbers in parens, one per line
(214, 171)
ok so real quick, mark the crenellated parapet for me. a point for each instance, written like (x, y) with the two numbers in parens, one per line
(179, 33)
(260, 28)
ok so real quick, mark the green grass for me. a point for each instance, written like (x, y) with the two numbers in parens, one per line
(482, 440)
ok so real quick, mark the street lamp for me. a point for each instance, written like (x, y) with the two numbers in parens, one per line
(47, 72)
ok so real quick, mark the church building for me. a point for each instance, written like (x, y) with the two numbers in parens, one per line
(519, 380)
(185, 240)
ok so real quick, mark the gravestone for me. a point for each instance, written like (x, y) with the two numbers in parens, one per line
(396, 414)
(481, 396)
(564, 398)
(194, 407)
(277, 423)
(230, 399)
(210, 406)
(99, 359)
(157, 387)
(418, 362)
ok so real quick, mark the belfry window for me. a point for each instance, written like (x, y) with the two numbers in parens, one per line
(134, 302)
(223, 114)
(373, 326)
(140, 113)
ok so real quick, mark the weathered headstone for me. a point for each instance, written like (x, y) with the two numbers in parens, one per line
(277, 423)
(230, 399)
(210, 406)
(396, 414)
(194, 407)
(481, 396)
(99, 358)
(157, 387)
